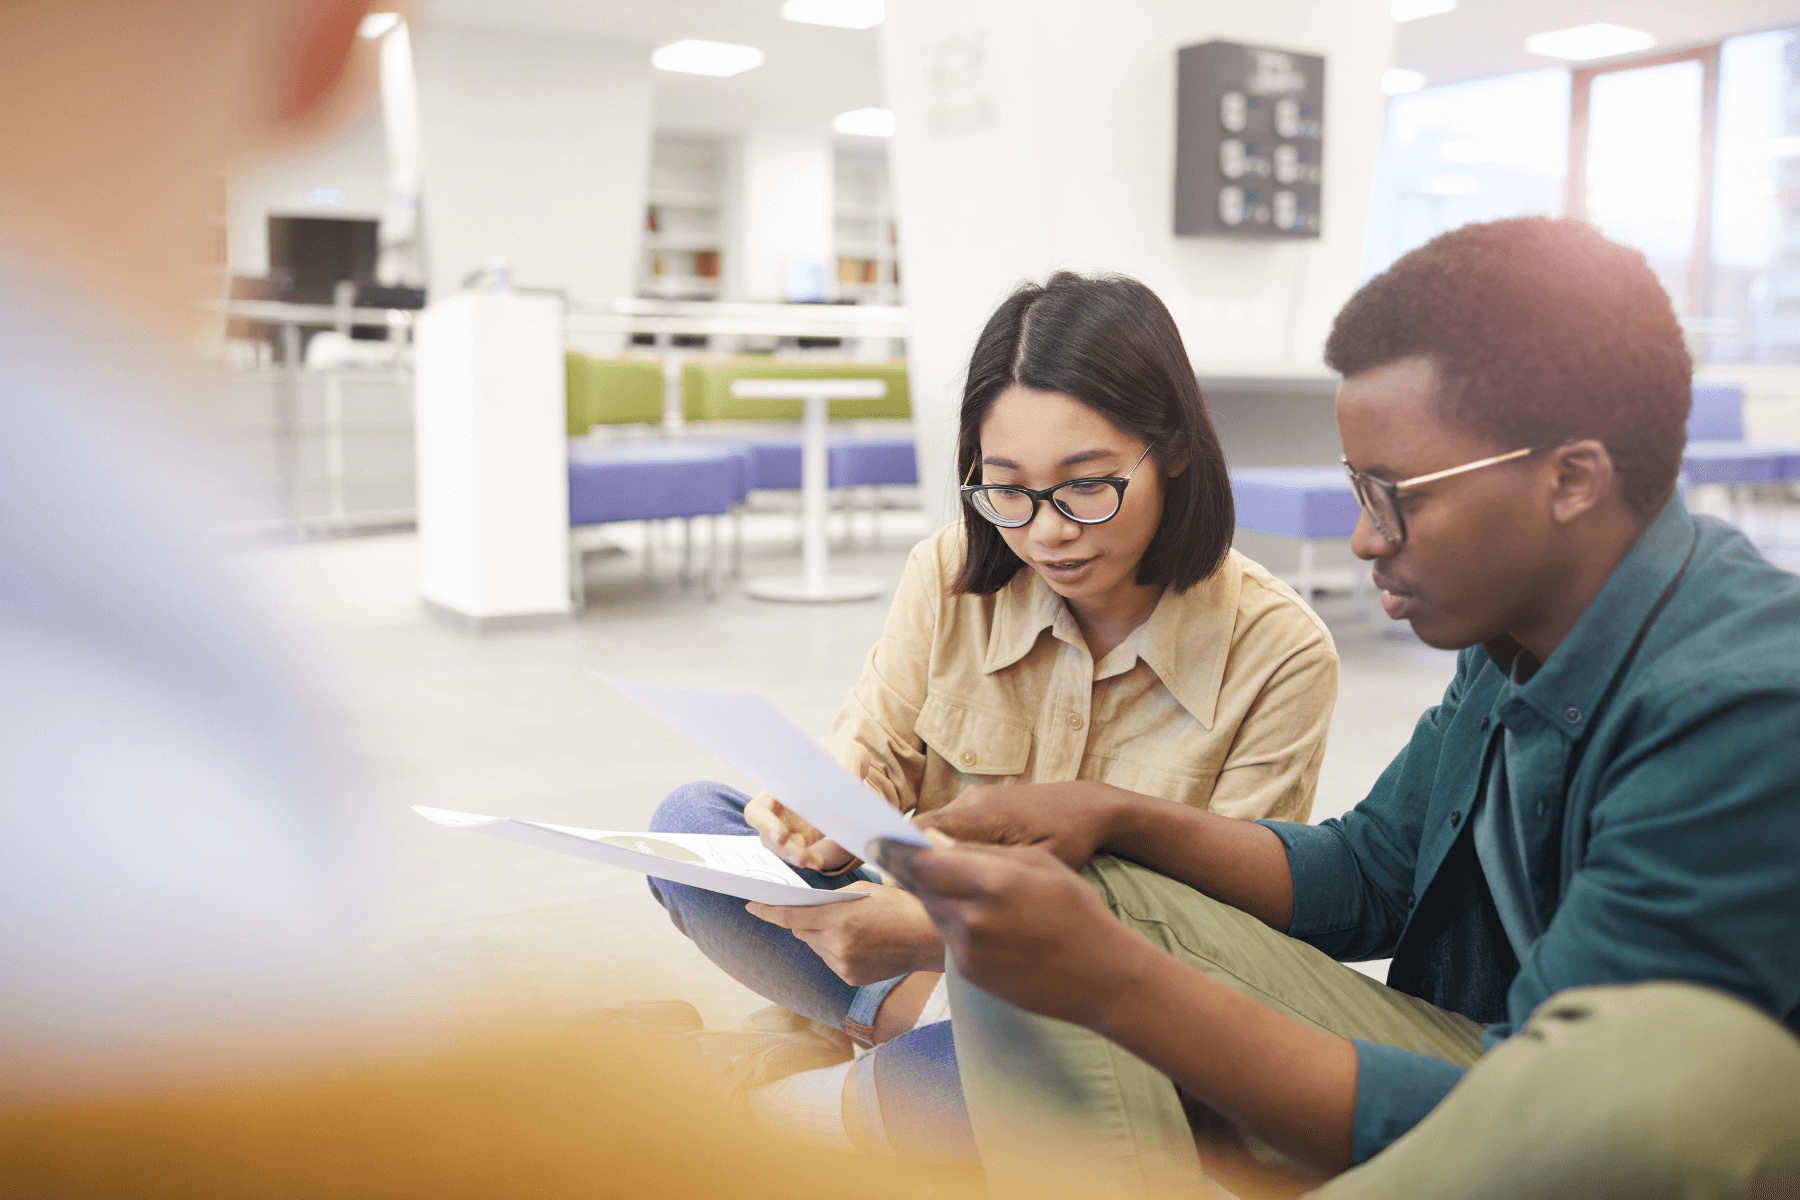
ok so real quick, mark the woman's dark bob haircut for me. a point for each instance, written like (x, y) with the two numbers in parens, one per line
(1108, 342)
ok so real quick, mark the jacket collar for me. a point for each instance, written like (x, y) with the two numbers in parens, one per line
(1566, 690)
(1186, 641)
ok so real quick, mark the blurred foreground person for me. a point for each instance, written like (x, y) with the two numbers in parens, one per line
(1583, 866)
(186, 1004)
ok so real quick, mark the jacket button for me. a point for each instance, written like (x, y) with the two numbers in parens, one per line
(968, 758)
(1571, 715)
(1484, 723)
(1412, 901)
(1455, 818)
(1075, 721)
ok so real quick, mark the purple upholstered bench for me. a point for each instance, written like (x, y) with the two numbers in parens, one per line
(646, 479)
(1717, 453)
(854, 462)
(1311, 504)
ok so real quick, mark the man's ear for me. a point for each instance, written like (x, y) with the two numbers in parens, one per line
(1583, 478)
(322, 47)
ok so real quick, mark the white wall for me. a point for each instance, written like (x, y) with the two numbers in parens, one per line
(1040, 134)
(537, 147)
(783, 209)
(354, 162)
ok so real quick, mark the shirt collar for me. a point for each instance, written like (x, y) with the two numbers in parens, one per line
(1186, 641)
(1567, 689)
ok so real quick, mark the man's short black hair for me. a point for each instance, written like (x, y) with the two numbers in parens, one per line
(1540, 331)
(1108, 342)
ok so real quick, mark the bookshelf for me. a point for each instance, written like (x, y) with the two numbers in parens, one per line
(867, 268)
(684, 219)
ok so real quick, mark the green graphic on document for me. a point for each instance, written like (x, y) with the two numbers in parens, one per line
(656, 846)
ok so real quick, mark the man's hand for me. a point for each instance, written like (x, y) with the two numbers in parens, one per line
(1070, 820)
(866, 941)
(1023, 926)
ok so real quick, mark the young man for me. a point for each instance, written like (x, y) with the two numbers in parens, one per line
(1583, 865)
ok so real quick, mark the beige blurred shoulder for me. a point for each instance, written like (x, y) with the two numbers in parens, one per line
(1269, 607)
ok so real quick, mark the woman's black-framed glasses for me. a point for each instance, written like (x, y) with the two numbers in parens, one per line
(1381, 499)
(1092, 501)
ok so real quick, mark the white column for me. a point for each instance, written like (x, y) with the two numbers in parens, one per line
(536, 149)
(784, 211)
(493, 477)
(1034, 135)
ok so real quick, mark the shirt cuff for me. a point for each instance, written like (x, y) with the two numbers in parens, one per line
(1324, 872)
(1394, 1090)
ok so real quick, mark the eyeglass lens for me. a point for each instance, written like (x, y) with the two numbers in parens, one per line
(1083, 499)
(1379, 503)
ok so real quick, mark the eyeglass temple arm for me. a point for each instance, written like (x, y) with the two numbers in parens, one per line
(1445, 474)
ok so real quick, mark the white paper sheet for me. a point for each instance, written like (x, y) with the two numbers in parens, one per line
(746, 731)
(736, 866)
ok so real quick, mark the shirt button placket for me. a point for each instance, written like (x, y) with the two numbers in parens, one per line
(1077, 674)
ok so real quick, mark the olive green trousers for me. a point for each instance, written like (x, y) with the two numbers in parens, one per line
(1637, 1091)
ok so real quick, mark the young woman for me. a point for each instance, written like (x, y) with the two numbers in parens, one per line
(1087, 620)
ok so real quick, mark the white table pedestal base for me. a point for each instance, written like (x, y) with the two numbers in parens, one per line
(813, 585)
(797, 589)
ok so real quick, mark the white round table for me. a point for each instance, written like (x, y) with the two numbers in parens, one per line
(813, 585)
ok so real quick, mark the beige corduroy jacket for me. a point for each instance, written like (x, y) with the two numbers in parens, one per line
(1220, 700)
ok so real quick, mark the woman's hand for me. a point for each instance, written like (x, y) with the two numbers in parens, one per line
(790, 836)
(1070, 820)
(864, 941)
(1023, 926)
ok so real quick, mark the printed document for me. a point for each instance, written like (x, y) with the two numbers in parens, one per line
(735, 866)
(746, 731)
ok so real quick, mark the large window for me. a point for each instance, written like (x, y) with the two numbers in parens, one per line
(1640, 166)
(1754, 286)
(1692, 157)
(1469, 152)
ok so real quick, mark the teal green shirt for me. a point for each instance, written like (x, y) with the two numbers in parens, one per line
(1651, 784)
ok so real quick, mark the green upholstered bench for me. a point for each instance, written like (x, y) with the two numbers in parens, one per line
(612, 391)
(706, 390)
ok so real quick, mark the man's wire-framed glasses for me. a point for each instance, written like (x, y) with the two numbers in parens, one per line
(1381, 500)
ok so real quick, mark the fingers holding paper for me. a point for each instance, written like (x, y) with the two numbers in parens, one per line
(884, 935)
(790, 836)
(787, 834)
(1021, 925)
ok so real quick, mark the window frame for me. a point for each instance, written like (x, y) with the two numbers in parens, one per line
(1581, 81)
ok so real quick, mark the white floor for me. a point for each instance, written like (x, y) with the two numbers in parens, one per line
(514, 724)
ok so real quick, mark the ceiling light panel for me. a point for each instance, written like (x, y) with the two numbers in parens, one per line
(865, 122)
(1589, 41)
(1412, 10)
(844, 14)
(692, 56)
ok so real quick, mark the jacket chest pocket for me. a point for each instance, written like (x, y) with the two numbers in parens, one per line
(973, 742)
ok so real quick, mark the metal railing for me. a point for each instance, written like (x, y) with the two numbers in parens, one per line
(321, 422)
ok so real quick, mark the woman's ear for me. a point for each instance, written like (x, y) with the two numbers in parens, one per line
(1175, 466)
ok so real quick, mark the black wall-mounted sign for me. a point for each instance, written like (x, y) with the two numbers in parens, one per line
(1248, 142)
